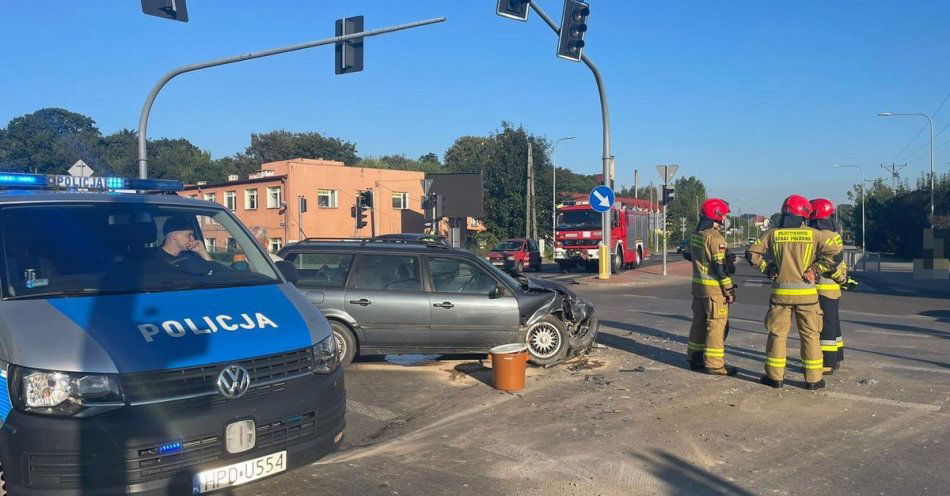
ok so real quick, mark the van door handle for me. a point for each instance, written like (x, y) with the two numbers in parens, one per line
(445, 305)
(361, 302)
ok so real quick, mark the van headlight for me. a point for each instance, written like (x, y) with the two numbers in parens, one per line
(326, 356)
(66, 393)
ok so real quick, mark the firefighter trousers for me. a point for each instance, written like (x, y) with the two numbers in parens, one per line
(707, 333)
(778, 322)
(832, 346)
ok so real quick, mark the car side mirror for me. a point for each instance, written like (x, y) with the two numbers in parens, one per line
(288, 270)
(496, 293)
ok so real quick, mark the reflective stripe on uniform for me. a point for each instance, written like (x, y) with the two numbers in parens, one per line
(794, 292)
(840, 342)
(827, 287)
(696, 346)
(813, 364)
(713, 282)
(829, 345)
(775, 362)
(715, 352)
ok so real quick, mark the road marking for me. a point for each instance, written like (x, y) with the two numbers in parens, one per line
(371, 411)
(643, 296)
(908, 367)
(883, 401)
(895, 333)
(892, 316)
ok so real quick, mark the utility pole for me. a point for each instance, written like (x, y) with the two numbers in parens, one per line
(895, 171)
(636, 183)
(528, 202)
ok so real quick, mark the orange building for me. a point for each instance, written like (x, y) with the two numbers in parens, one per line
(269, 201)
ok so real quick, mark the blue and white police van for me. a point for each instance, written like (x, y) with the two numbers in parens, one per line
(139, 356)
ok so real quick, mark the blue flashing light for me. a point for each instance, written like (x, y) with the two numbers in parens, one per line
(92, 183)
(167, 449)
(23, 180)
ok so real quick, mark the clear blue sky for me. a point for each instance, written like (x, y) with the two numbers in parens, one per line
(757, 98)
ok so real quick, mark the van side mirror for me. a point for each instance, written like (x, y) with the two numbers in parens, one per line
(288, 270)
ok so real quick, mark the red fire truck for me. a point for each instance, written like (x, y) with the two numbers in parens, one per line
(579, 232)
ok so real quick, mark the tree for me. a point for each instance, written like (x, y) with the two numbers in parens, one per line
(285, 145)
(50, 141)
(689, 196)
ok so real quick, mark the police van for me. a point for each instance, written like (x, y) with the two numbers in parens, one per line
(149, 345)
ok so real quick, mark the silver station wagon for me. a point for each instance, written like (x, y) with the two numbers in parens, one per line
(402, 296)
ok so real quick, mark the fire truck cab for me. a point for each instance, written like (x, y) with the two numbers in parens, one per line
(578, 234)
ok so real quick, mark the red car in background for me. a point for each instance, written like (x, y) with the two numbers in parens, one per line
(516, 255)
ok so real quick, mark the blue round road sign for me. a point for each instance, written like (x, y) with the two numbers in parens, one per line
(601, 198)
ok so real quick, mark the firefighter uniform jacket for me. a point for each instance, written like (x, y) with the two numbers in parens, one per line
(708, 253)
(791, 252)
(829, 283)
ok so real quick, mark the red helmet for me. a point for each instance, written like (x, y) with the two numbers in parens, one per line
(715, 209)
(822, 209)
(797, 205)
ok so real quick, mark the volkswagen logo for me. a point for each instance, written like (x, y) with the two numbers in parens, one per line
(234, 381)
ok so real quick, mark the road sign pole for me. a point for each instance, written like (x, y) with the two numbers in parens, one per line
(147, 107)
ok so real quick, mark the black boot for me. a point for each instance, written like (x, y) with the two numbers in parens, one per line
(771, 382)
(696, 364)
(811, 386)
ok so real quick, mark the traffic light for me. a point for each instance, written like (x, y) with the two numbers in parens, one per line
(570, 43)
(359, 213)
(513, 9)
(166, 9)
(366, 198)
(349, 54)
(667, 195)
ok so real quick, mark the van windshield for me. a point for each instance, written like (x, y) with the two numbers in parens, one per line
(79, 249)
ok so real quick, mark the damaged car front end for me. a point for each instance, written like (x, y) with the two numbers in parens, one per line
(556, 323)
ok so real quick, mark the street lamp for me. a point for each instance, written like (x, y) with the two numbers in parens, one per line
(932, 180)
(863, 245)
(554, 186)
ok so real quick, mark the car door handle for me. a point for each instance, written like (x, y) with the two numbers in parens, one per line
(362, 302)
(445, 305)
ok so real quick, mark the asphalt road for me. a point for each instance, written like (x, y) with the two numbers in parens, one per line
(630, 419)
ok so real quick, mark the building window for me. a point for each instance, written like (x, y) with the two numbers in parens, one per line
(326, 198)
(400, 201)
(232, 245)
(210, 245)
(193, 197)
(209, 197)
(274, 197)
(250, 199)
(274, 245)
(230, 200)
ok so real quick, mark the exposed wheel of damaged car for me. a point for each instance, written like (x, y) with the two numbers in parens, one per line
(547, 341)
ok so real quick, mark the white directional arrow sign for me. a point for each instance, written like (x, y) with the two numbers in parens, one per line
(601, 198)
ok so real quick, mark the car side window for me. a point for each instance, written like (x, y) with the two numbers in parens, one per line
(387, 272)
(532, 246)
(321, 270)
(455, 275)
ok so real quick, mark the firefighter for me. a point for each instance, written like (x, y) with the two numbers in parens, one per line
(829, 287)
(792, 255)
(712, 291)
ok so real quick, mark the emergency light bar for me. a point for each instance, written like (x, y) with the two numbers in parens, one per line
(58, 181)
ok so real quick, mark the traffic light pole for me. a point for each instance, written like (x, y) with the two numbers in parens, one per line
(607, 158)
(147, 107)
